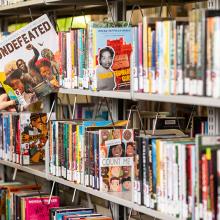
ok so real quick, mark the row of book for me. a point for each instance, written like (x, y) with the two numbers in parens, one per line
(172, 174)
(177, 56)
(28, 202)
(92, 153)
(164, 56)
(179, 176)
(96, 58)
(23, 137)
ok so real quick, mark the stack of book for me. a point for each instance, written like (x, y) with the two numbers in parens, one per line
(71, 213)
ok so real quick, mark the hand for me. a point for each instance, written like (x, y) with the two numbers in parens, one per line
(5, 104)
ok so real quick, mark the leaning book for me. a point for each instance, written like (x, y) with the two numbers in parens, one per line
(29, 60)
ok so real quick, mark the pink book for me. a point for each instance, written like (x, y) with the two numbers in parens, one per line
(37, 208)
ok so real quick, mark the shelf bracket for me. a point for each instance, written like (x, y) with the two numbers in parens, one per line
(14, 174)
(139, 215)
(51, 192)
(74, 195)
(90, 205)
(51, 110)
(74, 107)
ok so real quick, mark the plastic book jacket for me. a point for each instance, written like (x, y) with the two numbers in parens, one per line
(38, 208)
(116, 152)
(112, 48)
(29, 62)
(34, 136)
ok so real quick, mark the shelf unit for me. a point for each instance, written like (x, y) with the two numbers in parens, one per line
(124, 198)
(66, 8)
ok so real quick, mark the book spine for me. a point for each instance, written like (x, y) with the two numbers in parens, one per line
(140, 57)
(145, 55)
(209, 43)
(180, 58)
(134, 65)
(150, 79)
(68, 78)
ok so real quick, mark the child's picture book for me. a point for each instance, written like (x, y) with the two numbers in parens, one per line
(112, 48)
(116, 152)
(29, 62)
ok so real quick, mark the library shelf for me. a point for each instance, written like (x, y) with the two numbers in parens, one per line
(120, 198)
(180, 99)
(108, 94)
(37, 170)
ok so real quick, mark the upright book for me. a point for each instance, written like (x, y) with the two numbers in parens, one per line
(29, 62)
(112, 48)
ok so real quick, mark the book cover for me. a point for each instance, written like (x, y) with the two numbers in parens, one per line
(34, 136)
(112, 48)
(38, 208)
(116, 151)
(29, 68)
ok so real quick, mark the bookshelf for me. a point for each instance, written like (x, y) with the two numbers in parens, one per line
(180, 99)
(123, 199)
(107, 94)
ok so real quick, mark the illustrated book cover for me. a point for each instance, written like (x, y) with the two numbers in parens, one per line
(116, 152)
(112, 48)
(29, 62)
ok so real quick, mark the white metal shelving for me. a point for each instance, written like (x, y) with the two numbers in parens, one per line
(107, 94)
(180, 99)
(122, 198)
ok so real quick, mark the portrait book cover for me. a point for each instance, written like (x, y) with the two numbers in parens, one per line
(112, 48)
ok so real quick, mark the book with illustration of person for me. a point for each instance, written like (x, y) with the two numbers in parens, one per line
(116, 152)
(112, 48)
(29, 62)
(34, 137)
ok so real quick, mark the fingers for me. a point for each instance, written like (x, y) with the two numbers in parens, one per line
(6, 104)
(3, 97)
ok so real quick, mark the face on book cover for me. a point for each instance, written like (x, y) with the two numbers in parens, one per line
(106, 60)
(16, 84)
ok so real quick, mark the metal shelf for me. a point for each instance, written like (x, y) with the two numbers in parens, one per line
(107, 94)
(37, 170)
(122, 198)
(180, 99)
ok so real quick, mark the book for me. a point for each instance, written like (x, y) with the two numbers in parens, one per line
(37, 208)
(112, 48)
(34, 136)
(116, 151)
(29, 68)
